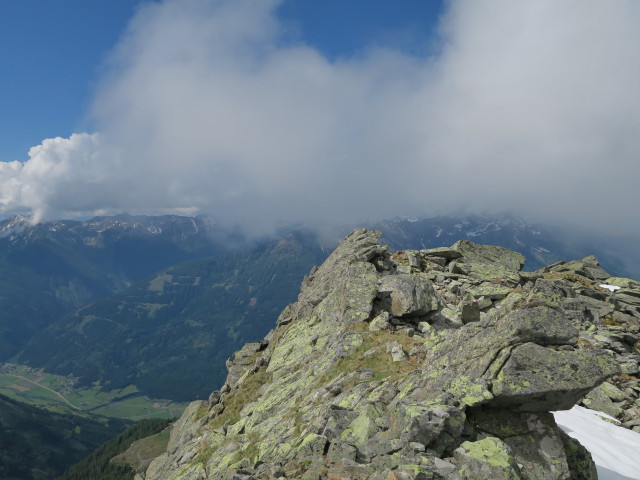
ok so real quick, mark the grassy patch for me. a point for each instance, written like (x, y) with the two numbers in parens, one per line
(380, 362)
(138, 408)
(608, 320)
(572, 277)
(235, 400)
(141, 452)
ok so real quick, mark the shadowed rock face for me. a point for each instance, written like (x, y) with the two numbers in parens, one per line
(412, 365)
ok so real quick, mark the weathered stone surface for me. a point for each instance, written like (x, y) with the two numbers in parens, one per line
(470, 312)
(535, 379)
(443, 252)
(598, 400)
(587, 267)
(408, 295)
(487, 458)
(381, 322)
(533, 439)
(489, 254)
(487, 261)
(387, 367)
(578, 459)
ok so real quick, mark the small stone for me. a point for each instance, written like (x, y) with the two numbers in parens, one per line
(444, 466)
(397, 354)
(424, 327)
(381, 322)
(484, 303)
(630, 368)
(417, 447)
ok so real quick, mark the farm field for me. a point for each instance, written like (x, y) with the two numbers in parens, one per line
(58, 393)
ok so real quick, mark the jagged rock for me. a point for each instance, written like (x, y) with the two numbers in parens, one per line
(587, 267)
(579, 459)
(238, 363)
(386, 368)
(442, 252)
(490, 290)
(486, 261)
(536, 379)
(408, 295)
(598, 400)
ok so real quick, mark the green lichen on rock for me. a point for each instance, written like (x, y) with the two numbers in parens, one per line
(579, 459)
(493, 451)
(535, 378)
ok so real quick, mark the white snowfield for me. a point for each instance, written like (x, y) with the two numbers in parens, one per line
(615, 450)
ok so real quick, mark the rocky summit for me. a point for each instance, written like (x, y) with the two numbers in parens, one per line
(420, 364)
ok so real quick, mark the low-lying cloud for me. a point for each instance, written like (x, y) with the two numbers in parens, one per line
(206, 107)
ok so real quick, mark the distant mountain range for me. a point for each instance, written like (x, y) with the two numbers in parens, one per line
(540, 244)
(161, 302)
(50, 269)
(171, 333)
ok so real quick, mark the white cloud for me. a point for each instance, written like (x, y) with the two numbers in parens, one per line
(530, 106)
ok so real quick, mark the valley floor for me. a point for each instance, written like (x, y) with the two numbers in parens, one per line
(59, 393)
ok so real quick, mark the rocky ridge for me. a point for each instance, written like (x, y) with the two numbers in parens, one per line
(425, 364)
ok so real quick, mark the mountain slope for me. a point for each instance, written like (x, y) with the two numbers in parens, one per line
(99, 465)
(171, 334)
(50, 269)
(36, 444)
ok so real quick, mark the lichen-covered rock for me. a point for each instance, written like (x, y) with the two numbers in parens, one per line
(535, 379)
(429, 364)
(487, 458)
(408, 295)
(487, 262)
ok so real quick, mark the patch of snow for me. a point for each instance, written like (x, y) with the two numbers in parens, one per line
(611, 288)
(438, 231)
(614, 449)
(483, 229)
(542, 249)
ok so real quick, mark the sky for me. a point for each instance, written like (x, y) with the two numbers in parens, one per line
(263, 112)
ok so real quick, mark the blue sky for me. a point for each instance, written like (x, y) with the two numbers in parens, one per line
(52, 52)
(260, 112)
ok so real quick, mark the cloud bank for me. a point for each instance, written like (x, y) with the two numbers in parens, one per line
(209, 107)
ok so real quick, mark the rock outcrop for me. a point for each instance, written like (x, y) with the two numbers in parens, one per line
(425, 364)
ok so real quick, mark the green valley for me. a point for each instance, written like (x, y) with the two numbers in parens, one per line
(61, 394)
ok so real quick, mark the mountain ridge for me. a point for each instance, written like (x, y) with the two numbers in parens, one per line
(129, 333)
(49, 269)
(420, 364)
